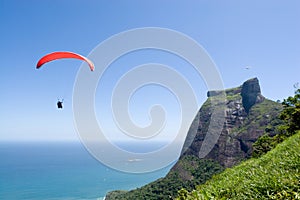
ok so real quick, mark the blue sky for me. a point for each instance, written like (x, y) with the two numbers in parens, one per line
(262, 34)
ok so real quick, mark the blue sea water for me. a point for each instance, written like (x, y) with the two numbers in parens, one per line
(59, 171)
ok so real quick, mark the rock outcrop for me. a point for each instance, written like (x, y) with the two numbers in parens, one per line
(247, 114)
(251, 94)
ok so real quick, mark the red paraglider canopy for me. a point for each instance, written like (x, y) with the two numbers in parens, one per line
(61, 55)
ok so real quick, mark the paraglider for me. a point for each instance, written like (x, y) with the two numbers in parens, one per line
(61, 55)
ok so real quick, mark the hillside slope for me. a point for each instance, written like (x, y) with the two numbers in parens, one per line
(275, 175)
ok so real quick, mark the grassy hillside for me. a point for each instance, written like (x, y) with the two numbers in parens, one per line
(276, 175)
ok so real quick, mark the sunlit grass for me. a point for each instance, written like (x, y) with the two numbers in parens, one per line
(275, 175)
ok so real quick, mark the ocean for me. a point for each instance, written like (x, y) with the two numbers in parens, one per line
(60, 171)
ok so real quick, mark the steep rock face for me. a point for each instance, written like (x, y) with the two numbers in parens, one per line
(247, 114)
(251, 94)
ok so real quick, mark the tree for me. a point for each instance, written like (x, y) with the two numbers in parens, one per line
(182, 194)
(291, 113)
(291, 117)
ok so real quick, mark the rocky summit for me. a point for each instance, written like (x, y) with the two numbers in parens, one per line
(247, 115)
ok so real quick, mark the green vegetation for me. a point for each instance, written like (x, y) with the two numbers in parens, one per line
(262, 116)
(291, 113)
(233, 94)
(200, 170)
(291, 118)
(233, 97)
(115, 194)
(276, 175)
(233, 91)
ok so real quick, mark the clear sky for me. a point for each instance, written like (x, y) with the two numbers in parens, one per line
(264, 35)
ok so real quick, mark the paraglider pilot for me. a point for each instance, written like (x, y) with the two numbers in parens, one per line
(59, 104)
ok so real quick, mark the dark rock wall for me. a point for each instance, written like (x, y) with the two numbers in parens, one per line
(250, 93)
(241, 128)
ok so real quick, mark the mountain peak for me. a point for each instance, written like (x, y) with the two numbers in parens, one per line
(249, 90)
(251, 93)
(247, 115)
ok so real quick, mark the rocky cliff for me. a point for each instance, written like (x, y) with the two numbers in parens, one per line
(248, 115)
